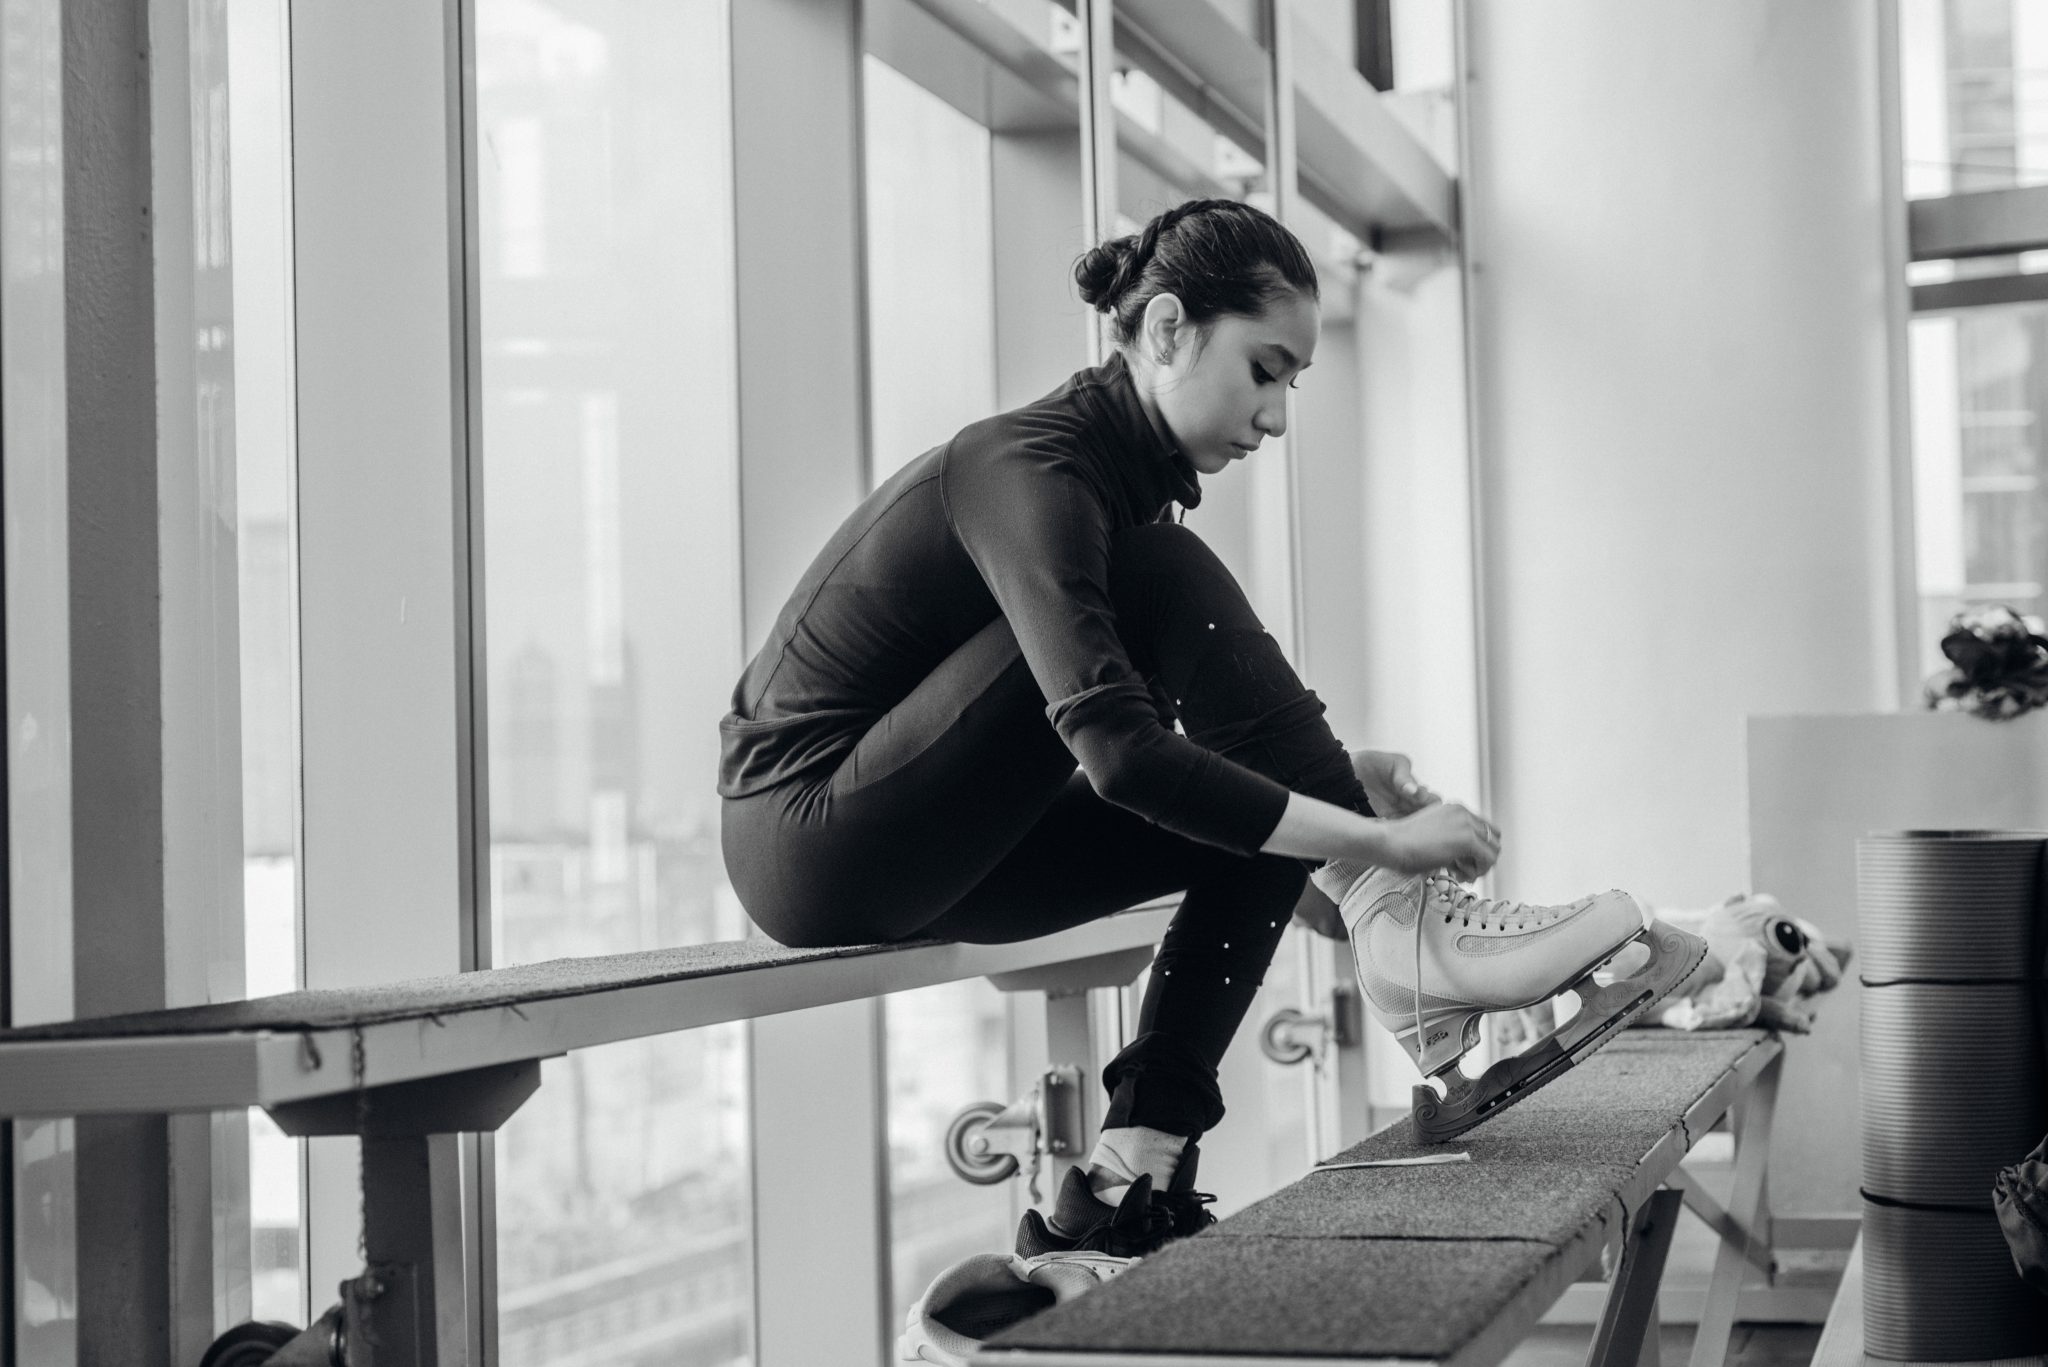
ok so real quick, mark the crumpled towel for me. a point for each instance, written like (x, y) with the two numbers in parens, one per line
(2021, 1194)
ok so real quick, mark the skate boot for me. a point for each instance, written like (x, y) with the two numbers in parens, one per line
(1433, 958)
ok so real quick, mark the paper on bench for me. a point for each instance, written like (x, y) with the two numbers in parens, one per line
(1421, 1160)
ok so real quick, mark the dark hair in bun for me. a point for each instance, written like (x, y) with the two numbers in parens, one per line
(1216, 256)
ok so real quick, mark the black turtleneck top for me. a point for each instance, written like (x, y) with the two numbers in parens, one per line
(1012, 517)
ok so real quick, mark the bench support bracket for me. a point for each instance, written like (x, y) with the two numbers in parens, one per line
(1746, 1213)
(1755, 1249)
(1627, 1333)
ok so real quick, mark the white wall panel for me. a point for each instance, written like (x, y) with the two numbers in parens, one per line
(1675, 238)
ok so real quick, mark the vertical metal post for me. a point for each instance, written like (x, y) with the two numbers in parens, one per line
(1904, 623)
(819, 1119)
(1475, 426)
(392, 772)
(1098, 142)
(1274, 478)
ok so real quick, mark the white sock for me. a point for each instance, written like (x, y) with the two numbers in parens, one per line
(1125, 1152)
(1335, 878)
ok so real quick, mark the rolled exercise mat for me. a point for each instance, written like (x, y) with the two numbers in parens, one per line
(1949, 931)
(1948, 906)
(1952, 1090)
(1939, 1286)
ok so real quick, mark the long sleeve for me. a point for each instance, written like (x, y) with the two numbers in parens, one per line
(1039, 532)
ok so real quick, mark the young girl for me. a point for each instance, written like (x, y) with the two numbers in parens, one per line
(963, 724)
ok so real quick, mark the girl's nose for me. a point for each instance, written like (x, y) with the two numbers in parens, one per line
(1272, 419)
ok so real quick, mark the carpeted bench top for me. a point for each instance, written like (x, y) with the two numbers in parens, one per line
(1411, 1262)
(337, 1008)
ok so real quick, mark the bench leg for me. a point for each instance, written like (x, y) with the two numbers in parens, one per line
(406, 1309)
(1746, 1206)
(1074, 1035)
(1627, 1333)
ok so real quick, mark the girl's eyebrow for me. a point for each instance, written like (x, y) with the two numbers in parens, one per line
(1293, 363)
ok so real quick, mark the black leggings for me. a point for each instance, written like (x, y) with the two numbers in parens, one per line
(960, 816)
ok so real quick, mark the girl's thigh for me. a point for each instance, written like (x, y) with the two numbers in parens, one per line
(921, 810)
(1083, 859)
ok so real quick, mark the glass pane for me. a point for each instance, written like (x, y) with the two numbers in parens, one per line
(931, 270)
(1980, 389)
(1974, 85)
(259, 135)
(948, 1048)
(611, 565)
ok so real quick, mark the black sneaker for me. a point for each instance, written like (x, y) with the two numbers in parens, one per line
(1186, 1208)
(1131, 1228)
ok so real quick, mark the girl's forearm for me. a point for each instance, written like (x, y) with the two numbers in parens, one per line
(1310, 828)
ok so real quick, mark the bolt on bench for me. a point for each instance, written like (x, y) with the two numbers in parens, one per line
(411, 1065)
(1455, 1263)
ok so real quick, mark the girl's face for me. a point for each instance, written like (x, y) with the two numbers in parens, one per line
(1222, 390)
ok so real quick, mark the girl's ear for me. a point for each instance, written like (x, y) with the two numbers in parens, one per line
(1162, 329)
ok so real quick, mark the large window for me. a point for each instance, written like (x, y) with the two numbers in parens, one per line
(1974, 87)
(1980, 391)
(611, 560)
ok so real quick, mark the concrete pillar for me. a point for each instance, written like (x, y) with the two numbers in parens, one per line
(1675, 235)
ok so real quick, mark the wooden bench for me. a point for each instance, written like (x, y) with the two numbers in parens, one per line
(410, 1066)
(1454, 1264)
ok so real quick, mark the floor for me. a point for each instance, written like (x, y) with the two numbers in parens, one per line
(1754, 1345)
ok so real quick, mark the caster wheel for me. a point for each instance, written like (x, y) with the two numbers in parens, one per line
(248, 1345)
(1278, 1042)
(963, 1155)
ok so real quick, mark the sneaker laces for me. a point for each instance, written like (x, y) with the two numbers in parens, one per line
(1185, 1210)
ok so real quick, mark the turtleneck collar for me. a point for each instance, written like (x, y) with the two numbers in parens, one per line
(1154, 470)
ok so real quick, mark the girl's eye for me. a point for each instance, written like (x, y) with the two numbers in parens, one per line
(1259, 374)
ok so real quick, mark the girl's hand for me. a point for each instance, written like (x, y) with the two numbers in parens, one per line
(1442, 835)
(1390, 783)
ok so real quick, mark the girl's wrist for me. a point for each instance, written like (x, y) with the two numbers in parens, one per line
(1373, 843)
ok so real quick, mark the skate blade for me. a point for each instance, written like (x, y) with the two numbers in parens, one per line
(1603, 1013)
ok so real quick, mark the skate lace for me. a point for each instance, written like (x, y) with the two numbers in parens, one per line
(1462, 903)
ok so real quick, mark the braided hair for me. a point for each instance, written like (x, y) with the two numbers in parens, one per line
(1217, 256)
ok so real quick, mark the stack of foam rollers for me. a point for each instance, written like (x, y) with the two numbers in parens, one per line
(1951, 931)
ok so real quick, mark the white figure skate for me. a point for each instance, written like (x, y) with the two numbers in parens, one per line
(1433, 958)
